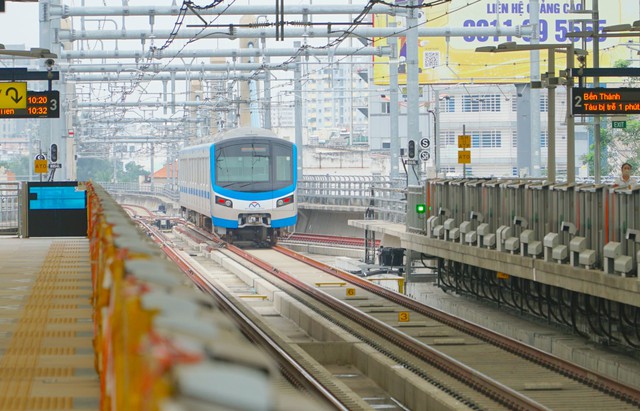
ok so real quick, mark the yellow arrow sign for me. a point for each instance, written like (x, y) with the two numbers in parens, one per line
(13, 95)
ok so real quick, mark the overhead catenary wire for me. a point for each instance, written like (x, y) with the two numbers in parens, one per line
(188, 5)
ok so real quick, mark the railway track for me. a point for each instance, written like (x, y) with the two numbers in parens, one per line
(322, 239)
(431, 354)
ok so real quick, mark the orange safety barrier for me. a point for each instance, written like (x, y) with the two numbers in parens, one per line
(132, 360)
(138, 363)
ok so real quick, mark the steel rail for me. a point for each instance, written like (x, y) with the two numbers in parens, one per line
(473, 378)
(288, 366)
(580, 374)
(327, 239)
(576, 372)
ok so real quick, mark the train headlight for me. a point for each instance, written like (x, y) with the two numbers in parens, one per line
(224, 202)
(284, 201)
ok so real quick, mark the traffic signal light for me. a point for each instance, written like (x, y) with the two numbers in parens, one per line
(54, 153)
(412, 149)
(421, 208)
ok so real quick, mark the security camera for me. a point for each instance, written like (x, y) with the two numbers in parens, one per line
(49, 63)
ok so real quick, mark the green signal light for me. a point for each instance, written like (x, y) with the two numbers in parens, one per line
(421, 208)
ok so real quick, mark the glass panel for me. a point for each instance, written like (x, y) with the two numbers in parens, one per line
(252, 166)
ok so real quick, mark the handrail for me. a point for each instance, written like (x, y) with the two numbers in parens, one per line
(376, 193)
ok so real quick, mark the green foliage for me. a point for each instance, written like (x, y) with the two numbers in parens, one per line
(101, 170)
(131, 173)
(628, 81)
(19, 166)
(628, 143)
(617, 146)
(622, 64)
(588, 159)
(96, 169)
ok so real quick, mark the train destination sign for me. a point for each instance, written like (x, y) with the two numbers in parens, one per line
(597, 101)
(40, 104)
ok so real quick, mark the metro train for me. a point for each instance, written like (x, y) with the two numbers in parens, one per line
(241, 186)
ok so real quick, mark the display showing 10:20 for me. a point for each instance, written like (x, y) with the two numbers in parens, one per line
(37, 99)
(562, 27)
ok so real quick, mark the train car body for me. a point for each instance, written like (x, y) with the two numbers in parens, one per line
(241, 186)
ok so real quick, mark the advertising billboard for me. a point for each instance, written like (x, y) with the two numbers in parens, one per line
(447, 60)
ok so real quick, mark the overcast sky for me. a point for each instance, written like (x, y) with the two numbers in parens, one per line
(19, 24)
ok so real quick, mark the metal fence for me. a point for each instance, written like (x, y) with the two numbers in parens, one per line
(358, 193)
(385, 197)
(169, 191)
(591, 225)
(10, 208)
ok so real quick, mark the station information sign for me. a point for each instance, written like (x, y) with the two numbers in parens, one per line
(40, 104)
(603, 101)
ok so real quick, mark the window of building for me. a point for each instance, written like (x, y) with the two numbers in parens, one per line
(544, 104)
(544, 139)
(447, 105)
(470, 104)
(386, 108)
(447, 170)
(480, 102)
(514, 139)
(514, 171)
(448, 138)
(486, 139)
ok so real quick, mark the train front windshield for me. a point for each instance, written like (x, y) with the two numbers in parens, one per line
(253, 166)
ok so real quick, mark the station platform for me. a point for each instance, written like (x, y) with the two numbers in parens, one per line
(595, 283)
(46, 326)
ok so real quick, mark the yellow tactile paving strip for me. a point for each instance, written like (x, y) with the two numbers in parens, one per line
(46, 327)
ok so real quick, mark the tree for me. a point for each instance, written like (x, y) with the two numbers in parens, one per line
(19, 166)
(96, 169)
(625, 146)
(620, 145)
(132, 172)
(589, 158)
(101, 170)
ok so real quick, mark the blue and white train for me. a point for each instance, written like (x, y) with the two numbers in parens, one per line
(241, 186)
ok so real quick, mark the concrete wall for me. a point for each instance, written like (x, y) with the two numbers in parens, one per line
(309, 221)
(328, 222)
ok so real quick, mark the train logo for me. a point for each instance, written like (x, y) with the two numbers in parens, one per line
(254, 204)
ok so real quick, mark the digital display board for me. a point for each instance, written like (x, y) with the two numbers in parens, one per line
(40, 104)
(603, 101)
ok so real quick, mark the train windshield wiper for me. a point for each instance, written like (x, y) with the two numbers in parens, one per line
(236, 184)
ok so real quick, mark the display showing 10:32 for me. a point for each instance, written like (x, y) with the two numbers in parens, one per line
(41, 104)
